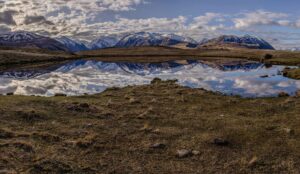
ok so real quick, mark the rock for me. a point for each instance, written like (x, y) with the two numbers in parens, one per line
(133, 101)
(158, 146)
(289, 131)
(195, 152)
(253, 161)
(283, 94)
(183, 153)
(10, 93)
(220, 142)
(154, 100)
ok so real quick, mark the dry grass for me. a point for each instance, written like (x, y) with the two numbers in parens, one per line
(292, 73)
(88, 135)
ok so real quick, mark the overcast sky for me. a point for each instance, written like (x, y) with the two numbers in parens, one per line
(277, 21)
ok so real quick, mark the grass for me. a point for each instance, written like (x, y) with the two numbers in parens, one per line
(37, 59)
(139, 129)
(293, 73)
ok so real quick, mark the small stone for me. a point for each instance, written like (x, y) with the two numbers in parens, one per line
(183, 153)
(133, 101)
(289, 131)
(156, 131)
(253, 161)
(158, 146)
(195, 152)
(220, 142)
(89, 125)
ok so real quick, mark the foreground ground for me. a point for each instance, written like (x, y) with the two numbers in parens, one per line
(140, 129)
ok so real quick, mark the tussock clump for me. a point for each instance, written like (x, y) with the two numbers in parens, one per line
(46, 137)
(25, 146)
(156, 81)
(86, 142)
(81, 107)
(6, 134)
(283, 94)
(50, 166)
(60, 95)
(112, 89)
(30, 116)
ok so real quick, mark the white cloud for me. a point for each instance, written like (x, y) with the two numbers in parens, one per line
(260, 17)
(83, 19)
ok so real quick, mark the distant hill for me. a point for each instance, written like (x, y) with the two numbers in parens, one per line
(141, 39)
(231, 41)
(28, 39)
(72, 45)
(103, 42)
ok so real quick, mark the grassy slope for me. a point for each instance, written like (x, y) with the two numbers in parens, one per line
(30, 57)
(111, 132)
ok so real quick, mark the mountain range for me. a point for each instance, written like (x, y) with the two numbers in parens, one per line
(28, 39)
(246, 41)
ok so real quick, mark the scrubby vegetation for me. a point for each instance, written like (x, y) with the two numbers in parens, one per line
(293, 73)
(157, 128)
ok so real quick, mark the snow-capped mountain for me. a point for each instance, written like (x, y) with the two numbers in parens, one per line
(246, 41)
(180, 38)
(152, 39)
(103, 42)
(28, 39)
(72, 45)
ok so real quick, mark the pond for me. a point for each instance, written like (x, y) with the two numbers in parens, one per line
(90, 77)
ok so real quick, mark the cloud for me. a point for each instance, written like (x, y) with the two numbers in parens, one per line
(36, 19)
(83, 19)
(261, 17)
(6, 17)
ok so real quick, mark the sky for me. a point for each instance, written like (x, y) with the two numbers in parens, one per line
(277, 21)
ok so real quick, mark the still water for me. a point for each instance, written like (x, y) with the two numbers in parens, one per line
(90, 77)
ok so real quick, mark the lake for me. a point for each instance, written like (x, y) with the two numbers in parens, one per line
(90, 77)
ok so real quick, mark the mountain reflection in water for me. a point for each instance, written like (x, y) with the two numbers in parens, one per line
(90, 77)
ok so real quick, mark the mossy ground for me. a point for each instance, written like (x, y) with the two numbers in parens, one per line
(113, 132)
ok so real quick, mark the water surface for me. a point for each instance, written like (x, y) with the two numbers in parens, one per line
(90, 77)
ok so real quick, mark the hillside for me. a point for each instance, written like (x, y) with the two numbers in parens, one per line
(231, 41)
